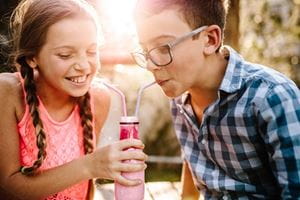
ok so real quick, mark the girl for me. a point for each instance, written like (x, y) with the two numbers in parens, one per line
(52, 114)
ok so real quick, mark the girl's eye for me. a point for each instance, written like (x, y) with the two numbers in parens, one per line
(64, 56)
(92, 53)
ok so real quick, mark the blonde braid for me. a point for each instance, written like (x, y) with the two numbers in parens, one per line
(33, 103)
(86, 122)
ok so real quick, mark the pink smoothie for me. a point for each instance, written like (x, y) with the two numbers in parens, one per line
(129, 129)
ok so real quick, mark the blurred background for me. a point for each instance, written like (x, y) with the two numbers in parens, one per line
(264, 31)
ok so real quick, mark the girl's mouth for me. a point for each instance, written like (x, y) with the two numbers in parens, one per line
(78, 79)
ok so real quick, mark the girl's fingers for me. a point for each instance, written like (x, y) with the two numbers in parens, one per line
(132, 167)
(133, 154)
(124, 144)
(123, 181)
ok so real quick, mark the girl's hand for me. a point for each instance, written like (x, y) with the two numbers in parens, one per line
(106, 162)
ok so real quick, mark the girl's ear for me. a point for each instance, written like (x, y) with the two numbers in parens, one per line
(213, 39)
(32, 62)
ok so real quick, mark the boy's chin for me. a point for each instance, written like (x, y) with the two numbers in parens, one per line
(173, 94)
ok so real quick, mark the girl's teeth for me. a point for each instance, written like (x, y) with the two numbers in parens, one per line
(79, 79)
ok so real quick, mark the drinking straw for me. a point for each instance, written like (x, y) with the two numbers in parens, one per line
(120, 93)
(137, 107)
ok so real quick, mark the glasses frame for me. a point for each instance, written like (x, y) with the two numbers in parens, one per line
(169, 46)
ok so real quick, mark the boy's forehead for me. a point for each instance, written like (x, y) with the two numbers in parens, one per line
(168, 22)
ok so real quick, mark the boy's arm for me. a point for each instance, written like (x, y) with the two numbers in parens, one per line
(189, 190)
(279, 125)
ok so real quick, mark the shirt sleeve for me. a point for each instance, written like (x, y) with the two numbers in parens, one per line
(279, 125)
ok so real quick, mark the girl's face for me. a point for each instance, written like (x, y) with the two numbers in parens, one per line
(69, 58)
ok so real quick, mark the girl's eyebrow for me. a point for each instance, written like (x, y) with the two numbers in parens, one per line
(63, 47)
(72, 47)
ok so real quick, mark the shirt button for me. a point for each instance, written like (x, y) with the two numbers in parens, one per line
(225, 197)
(203, 141)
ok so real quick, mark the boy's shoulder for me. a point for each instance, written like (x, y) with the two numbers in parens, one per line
(241, 73)
(266, 74)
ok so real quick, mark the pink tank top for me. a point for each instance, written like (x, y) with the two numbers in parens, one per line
(64, 143)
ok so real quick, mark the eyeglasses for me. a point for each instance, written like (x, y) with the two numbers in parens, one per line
(162, 55)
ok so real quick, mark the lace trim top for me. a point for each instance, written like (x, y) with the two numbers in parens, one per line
(64, 143)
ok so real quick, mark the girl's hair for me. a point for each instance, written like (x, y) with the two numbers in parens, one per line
(5, 64)
(30, 22)
(196, 12)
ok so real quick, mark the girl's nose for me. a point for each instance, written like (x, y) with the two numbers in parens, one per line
(82, 64)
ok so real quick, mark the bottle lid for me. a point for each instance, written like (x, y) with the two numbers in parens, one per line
(129, 119)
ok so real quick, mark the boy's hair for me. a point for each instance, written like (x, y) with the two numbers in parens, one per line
(30, 22)
(196, 12)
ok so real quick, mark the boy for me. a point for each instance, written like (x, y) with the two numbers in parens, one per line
(238, 123)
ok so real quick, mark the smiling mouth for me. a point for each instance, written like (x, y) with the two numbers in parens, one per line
(78, 79)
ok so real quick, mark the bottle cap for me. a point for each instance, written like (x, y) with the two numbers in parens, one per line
(129, 119)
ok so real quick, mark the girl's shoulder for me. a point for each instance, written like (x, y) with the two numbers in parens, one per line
(10, 84)
(11, 92)
(8, 80)
(101, 100)
(100, 94)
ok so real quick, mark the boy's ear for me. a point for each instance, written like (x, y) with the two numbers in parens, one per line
(213, 39)
(32, 62)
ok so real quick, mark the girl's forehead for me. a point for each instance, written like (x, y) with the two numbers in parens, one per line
(72, 30)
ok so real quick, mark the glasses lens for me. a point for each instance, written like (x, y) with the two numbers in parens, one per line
(161, 55)
(140, 59)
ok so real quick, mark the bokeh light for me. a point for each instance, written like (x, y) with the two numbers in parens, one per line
(116, 17)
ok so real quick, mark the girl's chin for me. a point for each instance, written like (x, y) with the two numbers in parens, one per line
(78, 93)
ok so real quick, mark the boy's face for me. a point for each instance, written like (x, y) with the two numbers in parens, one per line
(186, 71)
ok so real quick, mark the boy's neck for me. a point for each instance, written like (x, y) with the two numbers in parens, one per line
(205, 94)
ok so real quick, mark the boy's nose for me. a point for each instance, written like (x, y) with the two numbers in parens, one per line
(151, 66)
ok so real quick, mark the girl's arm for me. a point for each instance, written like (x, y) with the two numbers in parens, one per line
(103, 163)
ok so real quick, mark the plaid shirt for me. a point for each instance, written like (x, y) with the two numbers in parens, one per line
(248, 143)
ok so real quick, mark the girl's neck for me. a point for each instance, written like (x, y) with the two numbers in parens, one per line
(59, 105)
(59, 108)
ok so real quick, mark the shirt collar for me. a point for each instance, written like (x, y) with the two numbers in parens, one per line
(182, 99)
(232, 80)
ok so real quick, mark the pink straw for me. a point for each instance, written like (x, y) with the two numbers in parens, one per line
(137, 107)
(120, 93)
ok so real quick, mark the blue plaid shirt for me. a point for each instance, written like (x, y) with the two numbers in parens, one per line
(248, 143)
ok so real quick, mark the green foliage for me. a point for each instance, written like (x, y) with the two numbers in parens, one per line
(167, 173)
(270, 33)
